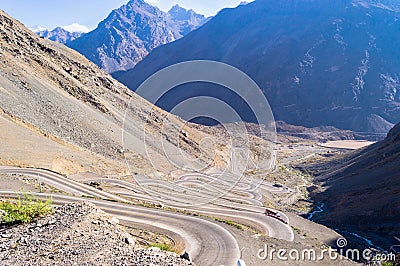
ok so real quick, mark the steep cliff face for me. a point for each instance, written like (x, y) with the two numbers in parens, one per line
(318, 62)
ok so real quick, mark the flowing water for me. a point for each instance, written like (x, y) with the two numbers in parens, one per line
(320, 209)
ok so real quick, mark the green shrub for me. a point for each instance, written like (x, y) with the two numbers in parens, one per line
(25, 209)
(163, 246)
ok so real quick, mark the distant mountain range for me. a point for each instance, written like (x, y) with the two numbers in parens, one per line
(59, 35)
(130, 32)
(186, 20)
(318, 62)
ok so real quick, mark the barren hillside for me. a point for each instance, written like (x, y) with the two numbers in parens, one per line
(78, 118)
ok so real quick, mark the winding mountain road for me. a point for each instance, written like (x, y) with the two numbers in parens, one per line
(207, 243)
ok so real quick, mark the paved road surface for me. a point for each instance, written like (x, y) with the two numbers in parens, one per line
(206, 242)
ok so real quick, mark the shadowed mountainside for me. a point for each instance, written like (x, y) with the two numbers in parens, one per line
(332, 63)
(363, 193)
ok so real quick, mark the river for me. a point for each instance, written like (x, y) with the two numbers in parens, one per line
(320, 209)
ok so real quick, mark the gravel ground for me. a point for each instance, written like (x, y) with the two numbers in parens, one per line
(77, 234)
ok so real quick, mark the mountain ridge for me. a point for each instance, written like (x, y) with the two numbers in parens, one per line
(187, 20)
(59, 35)
(130, 32)
(339, 62)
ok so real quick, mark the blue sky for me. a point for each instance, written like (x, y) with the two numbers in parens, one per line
(52, 13)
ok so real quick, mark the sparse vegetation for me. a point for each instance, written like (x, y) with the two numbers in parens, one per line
(163, 246)
(231, 223)
(297, 230)
(25, 209)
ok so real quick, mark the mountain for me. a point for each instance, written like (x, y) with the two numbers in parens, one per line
(61, 112)
(186, 20)
(363, 192)
(332, 63)
(59, 35)
(130, 32)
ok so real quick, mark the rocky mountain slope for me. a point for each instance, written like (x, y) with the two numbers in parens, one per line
(59, 35)
(363, 192)
(332, 63)
(75, 114)
(186, 20)
(74, 234)
(129, 33)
